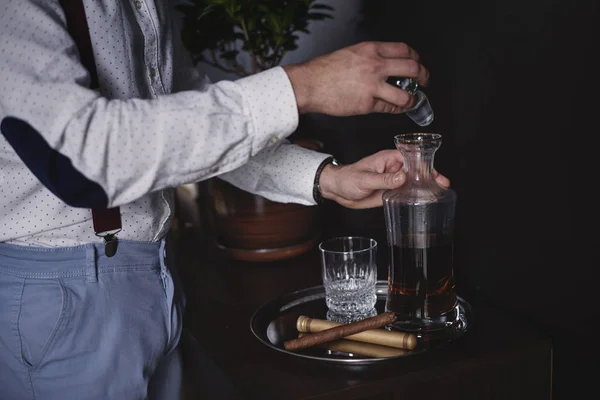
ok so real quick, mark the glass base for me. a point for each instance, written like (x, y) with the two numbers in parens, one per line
(437, 331)
(417, 325)
(349, 317)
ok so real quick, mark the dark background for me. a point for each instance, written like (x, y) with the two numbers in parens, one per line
(513, 86)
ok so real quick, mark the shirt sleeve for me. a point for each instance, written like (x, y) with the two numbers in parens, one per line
(96, 152)
(283, 173)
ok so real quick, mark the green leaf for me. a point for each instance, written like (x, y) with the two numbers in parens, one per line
(251, 25)
(288, 17)
(209, 9)
(230, 8)
(274, 22)
(272, 26)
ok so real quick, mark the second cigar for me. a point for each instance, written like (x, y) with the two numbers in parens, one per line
(383, 337)
(360, 348)
(340, 331)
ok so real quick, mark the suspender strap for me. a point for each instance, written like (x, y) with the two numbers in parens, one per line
(107, 222)
(78, 29)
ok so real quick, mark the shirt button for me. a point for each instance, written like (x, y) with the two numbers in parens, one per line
(152, 73)
(274, 139)
(138, 4)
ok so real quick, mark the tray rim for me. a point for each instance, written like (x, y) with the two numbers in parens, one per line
(381, 290)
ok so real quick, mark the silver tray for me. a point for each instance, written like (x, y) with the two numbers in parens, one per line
(275, 322)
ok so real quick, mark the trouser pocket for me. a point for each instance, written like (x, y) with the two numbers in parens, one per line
(175, 299)
(40, 317)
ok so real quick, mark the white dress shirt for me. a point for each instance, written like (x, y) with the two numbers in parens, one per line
(152, 126)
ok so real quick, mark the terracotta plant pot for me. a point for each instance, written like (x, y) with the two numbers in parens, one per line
(251, 228)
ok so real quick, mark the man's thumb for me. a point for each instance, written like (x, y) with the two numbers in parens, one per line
(385, 180)
(396, 179)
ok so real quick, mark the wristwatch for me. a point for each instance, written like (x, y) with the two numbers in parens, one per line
(319, 199)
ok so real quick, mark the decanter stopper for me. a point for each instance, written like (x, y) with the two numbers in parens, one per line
(421, 113)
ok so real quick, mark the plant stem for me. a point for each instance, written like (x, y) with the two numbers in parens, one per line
(277, 59)
(238, 69)
(255, 65)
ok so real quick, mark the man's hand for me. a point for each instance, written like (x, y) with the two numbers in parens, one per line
(361, 185)
(352, 80)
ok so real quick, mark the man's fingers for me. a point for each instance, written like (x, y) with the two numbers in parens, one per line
(441, 179)
(396, 50)
(445, 182)
(393, 167)
(394, 96)
(383, 161)
(381, 106)
(406, 68)
(371, 201)
(372, 181)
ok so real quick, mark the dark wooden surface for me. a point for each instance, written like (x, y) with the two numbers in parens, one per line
(499, 358)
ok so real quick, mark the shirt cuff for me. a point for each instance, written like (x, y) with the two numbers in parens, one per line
(289, 175)
(272, 104)
(305, 183)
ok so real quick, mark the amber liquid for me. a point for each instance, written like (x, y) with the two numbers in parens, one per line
(421, 278)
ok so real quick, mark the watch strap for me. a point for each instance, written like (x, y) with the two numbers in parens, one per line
(318, 197)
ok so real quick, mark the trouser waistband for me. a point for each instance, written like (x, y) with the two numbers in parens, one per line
(85, 260)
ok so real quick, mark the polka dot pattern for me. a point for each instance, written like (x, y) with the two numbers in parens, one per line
(153, 125)
(283, 173)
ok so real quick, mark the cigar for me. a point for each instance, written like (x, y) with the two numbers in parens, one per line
(340, 331)
(360, 348)
(396, 339)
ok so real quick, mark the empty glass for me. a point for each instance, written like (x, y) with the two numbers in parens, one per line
(349, 270)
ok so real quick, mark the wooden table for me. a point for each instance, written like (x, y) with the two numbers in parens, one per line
(499, 358)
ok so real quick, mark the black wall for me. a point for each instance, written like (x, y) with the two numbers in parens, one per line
(513, 86)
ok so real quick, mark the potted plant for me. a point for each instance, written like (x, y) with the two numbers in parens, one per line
(244, 37)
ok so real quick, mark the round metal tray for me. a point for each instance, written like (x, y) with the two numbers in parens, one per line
(275, 322)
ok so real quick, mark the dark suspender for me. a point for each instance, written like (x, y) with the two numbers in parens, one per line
(107, 222)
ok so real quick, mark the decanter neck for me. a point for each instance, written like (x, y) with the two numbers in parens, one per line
(418, 164)
(418, 150)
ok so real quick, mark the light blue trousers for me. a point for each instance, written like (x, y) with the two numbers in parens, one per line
(77, 325)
